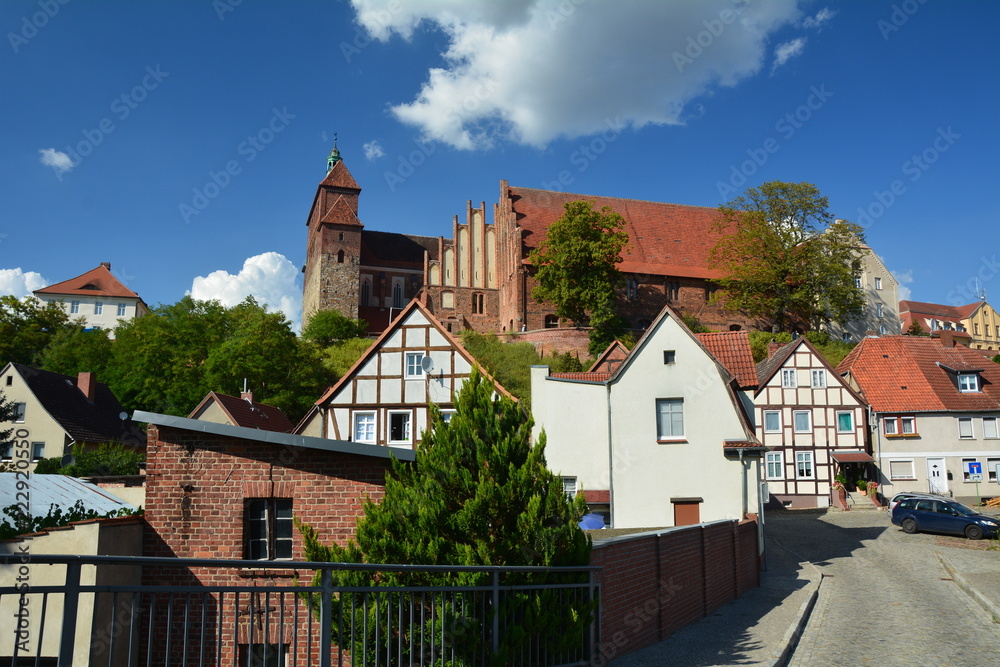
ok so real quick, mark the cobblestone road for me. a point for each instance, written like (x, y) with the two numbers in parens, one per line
(885, 597)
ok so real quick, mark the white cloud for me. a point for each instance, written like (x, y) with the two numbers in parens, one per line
(821, 17)
(20, 283)
(788, 50)
(535, 70)
(373, 150)
(269, 278)
(903, 278)
(59, 161)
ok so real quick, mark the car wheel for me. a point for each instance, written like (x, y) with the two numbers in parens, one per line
(909, 526)
(973, 532)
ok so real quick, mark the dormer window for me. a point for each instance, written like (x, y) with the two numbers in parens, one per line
(968, 382)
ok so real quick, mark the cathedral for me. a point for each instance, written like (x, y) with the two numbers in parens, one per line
(481, 278)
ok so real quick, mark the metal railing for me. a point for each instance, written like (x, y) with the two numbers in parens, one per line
(125, 611)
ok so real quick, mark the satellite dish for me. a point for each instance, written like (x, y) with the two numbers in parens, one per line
(427, 364)
(123, 415)
(67, 460)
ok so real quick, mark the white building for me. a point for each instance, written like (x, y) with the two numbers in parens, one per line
(97, 297)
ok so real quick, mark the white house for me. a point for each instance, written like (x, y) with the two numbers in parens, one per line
(97, 296)
(665, 439)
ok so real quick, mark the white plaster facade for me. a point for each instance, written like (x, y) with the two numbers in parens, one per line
(881, 312)
(97, 296)
(609, 435)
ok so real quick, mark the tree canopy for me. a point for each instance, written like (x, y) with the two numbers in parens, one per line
(329, 327)
(785, 259)
(7, 415)
(577, 269)
(27, 326)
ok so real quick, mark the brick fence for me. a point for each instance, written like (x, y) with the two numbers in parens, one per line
(654, 583)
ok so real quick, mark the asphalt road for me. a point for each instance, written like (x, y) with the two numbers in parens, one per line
(885, 598)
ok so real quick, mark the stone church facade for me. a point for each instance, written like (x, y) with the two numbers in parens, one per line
(481, 278)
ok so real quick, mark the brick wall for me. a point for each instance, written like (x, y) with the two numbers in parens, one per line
(653, 584)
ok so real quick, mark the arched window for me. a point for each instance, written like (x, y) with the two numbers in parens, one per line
(735, 327)
(397, 294)
(551, 321)
(366, 292)
(341, 236)
(340, 257)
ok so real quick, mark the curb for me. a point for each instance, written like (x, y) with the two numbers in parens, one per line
(987, 604)
(794, 632)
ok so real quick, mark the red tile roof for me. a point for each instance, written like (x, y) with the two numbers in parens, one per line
(664, 239)
(582, 377)
(340, 177)
(248, 414)
(96, 282)
(732, 350)
(610, 358)
(341, 213)
(909, 374)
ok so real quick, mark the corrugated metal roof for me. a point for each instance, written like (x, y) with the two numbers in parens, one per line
(60, 490)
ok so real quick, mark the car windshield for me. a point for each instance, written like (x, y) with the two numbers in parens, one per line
(963, 510)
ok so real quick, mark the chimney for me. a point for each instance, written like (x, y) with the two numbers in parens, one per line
(106, 265)
(947, 338)
(772, 347)
(87, 384)
(247, 396)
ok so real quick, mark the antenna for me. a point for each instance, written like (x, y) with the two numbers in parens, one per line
(244, 385)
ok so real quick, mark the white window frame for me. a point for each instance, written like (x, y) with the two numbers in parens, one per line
(878, 283)
(776, 413)
(966, 433)
(774, 461)
(414, 364)
(446, 415)
(878, 310)
(265, 511)
(408, 437)
(991, 469)
(801, 457)
(849, 413)
(356, 421)
(122, 309)
(818, 378)
(74, 307)
(911, 421)
(673, 403)
(912, 474)
(965, 468)
(98, 308)
(968, 383)
(570, 487)
(991, 430)
(789, 378)
(795, 421)
(19, 411)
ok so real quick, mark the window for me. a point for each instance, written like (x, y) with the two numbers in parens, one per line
(19, 413)
(446, 415)
(772, 421)
(669, 356)
(990, 428)
(569, 487)
(788, 379)
(340, 257)
(804, 465)
(774, 466)
(845, 422)
(364, 427)
(477, 304)
(631, 288)
(551, 321)
(803, 421)
(908, 425)
(669, 418)
(74, 307)
(37, 451)
(414, 364)
(121, 310)
(98, 308)
(397, 292)
(991, 470)
(901, 469)
(819, 379)
(899, 425)
(6, 451)
(10, 380)
(878, 310)
(366, 292)
(966, 475)
(673, 291)
(968, 382)
(878, 283)
(399, 427)
(965, 427)
(882, 330)
(857, 281)
(975, 328)
(268, 528)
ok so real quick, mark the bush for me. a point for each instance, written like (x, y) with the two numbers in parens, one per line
(16, 522)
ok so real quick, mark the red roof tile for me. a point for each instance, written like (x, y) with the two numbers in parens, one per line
(909, 374)
(582, 377)
(340, 177)
(96, 282)
(610, 358)
(248, 413)
(732, 350)
(340, 213)
(664, 239)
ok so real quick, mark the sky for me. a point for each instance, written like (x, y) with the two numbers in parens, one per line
(183, 141)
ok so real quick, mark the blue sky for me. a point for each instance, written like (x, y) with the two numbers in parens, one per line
(183, 141)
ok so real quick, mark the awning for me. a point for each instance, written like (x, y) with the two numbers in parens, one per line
(852, 457)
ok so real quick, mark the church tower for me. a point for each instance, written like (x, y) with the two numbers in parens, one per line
(333, 248)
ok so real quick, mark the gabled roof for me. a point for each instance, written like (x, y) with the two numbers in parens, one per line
(96, 282)
(246, 413)
(940, 310)
(767, 368)
(84, 421)
(341, 213)
(610, 358)
(732, 350)
(394, 326)
(340, 177)
(911, 374)
(392, 250)
(664, 239)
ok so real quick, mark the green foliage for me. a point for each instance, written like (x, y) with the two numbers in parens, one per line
(915, 329)
(692, 323)
(478, 493)
(338, 359)
(49, 466)
(26, 328)
(829, 348)
(17, 522)
(7, 414)
(577, 269)
(109, 459)
(74, 350)
(785, 259)
(759, 340)
(328, 327)
(509, 363)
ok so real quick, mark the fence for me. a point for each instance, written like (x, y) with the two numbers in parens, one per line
(95, 610)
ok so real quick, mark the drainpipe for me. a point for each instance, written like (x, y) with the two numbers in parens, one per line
(743, 476)
(760, 519)
(611, 461)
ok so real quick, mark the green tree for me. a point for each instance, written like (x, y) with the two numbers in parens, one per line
(27, 326)
(785, 259)
(328, 327)
(338, 359)
(478, 493)
(577, 269)
(74, 350)
(7, 414)
(915, 329)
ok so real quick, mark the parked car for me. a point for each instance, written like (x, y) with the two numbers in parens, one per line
(909, 494)
(942, 516)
